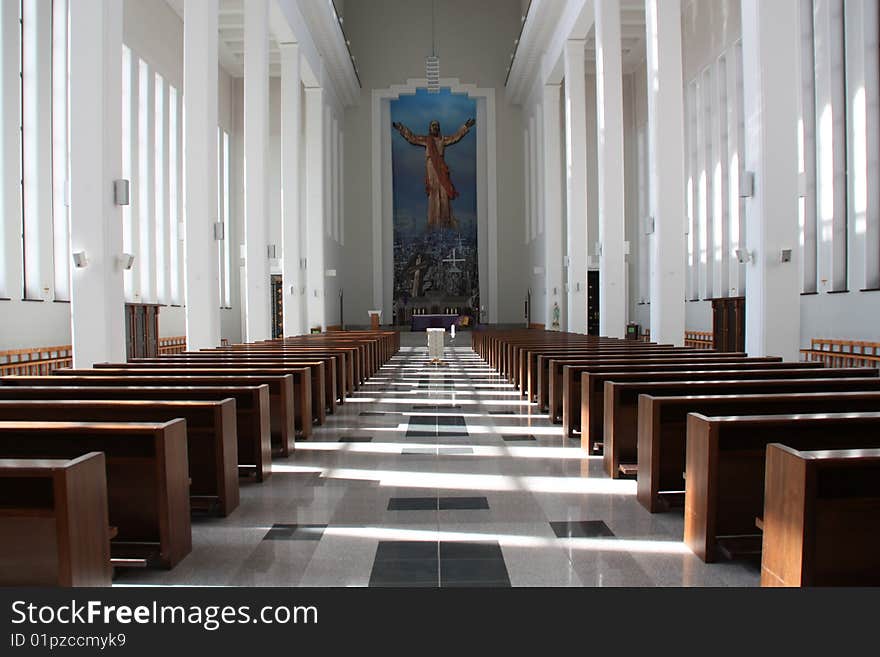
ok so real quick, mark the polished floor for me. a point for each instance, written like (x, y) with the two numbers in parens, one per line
(441, 476)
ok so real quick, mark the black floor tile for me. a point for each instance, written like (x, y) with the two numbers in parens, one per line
(463, 503)
(407, 572)
(467, 550)
(397, 550)
(412, 504)
(435, 407)
(512, 438)
(581, 529)
(451, 421)
(421, 420)
(421, 434)
(375, 413)
(285, 532)
(502, 412)
(356, 439)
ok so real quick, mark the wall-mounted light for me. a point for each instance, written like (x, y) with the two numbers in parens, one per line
(271, 250)
(747, 185)
(126, 261)
(219, 231)
(80, 260)
(785, 255)
(121, 191)
(743, 256)
(649, 225)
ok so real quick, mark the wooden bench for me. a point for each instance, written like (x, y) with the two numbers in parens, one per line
(525, 373)
(591, 406)
(699, 339)
(254, 451)
(541, 380)
(330, 392)
(348, 361)
(537, 381)
(36, 360)
(843, 353)
(821, 518)
(620, 417)
(593, 386)
(282, 404)
(147, 478)
(663, 410)
(571, 370)
(726, 456)
(210, 432)
(53, 517)
(303, 375)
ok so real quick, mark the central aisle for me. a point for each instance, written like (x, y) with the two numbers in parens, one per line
(441, 476)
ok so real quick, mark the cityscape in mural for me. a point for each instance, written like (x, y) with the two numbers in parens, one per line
(434, 163)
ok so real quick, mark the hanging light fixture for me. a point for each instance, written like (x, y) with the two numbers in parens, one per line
(432, 63)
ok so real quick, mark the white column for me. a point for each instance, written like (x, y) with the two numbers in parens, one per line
(202, 278)
(666, 170)
(576, 184)
(10, 158)
(97, 298)
(552, 162)
(609, 114)
(256, 174)
(770, 73)
(291, 124)
(314, 218)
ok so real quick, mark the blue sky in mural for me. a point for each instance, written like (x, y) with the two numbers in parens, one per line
(408, 161)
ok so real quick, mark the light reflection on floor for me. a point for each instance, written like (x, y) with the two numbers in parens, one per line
(454, 446)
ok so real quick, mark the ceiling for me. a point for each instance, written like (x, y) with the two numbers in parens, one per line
(231, 33)
(632, 36)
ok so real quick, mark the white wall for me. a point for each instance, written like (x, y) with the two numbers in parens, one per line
(154, 32)
(474, 42)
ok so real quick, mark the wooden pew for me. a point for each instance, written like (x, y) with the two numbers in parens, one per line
(821, 518)
(560, 370)
(724, 476)
(663, 410)
(302, 375)
(538, 381)
(322, 387)
(210, 433)
(147, 478)
(345, 358)
(254, 452)
(53, 517)
(281, 389)
(592, 401)
(593, 386)
(525, 359)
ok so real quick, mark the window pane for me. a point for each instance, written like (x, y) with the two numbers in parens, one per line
(60, 151)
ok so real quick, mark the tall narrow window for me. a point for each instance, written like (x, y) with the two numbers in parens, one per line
(173, 196)
(736, 147)
(226, 292)
(159, 189)
(693, 279)
(808, 211)
(36, 81)
(128, 166)
(60, 150)
(10, 148)
(221, 269)
(871, 224)
(145, 201)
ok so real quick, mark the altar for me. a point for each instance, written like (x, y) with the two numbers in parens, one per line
(424, 322)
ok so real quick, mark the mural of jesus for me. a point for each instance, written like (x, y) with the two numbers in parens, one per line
(438, 185)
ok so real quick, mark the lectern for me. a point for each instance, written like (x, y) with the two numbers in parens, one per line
(436, 338)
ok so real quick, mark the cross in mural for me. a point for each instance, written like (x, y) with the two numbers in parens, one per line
(454, 269)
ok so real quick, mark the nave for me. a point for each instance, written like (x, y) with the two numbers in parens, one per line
(440, 476)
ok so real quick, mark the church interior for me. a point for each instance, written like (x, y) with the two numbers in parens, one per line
(440, 293)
